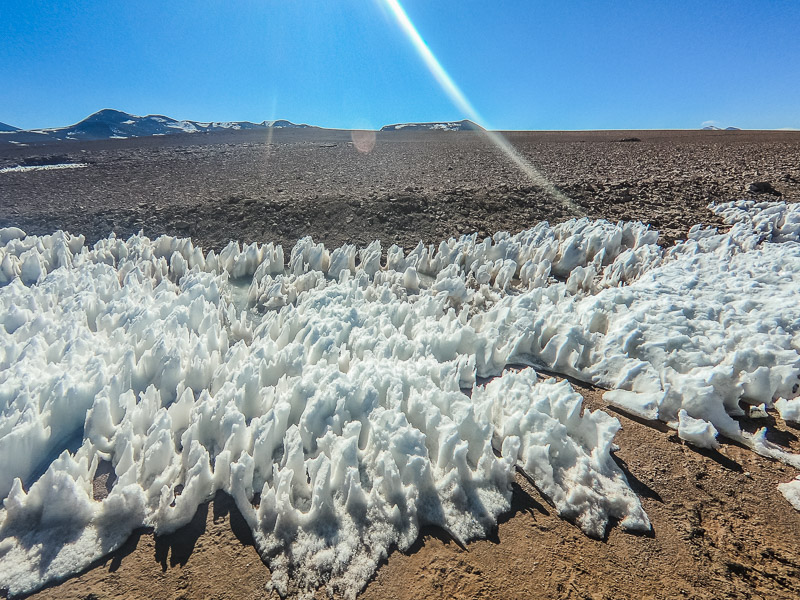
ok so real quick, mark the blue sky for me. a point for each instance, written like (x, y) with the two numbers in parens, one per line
(347, 63)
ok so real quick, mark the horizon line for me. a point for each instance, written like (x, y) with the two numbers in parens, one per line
(410, 122)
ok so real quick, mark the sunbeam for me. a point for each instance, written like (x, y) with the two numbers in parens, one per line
(460, 100)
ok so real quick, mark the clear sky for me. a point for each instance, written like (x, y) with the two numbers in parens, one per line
(523, 64)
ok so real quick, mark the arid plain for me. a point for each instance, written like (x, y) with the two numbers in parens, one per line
(720, 526)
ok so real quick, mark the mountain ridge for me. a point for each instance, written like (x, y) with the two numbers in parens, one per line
(463, 125)
(109, 123)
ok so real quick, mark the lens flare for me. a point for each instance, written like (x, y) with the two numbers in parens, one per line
(460, 100)
(270, 129)
(363, 140)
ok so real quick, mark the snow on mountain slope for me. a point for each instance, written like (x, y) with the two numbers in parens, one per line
(465, 125)
(115, 124)
(6, 127)
(284, 124)
(325, 395)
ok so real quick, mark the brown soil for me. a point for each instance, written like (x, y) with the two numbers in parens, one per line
(721, 529)
(424, 185)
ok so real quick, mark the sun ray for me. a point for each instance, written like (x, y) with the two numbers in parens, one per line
(465, 106)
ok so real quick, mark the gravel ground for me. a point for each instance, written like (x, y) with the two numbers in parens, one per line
(409, 187)
(721, 529)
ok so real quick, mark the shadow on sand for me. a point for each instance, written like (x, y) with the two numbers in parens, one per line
(174, 549)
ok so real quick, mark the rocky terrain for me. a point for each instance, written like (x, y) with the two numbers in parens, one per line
(721, 529)
(280, 185)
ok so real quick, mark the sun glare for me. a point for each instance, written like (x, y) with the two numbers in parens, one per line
(460, 100)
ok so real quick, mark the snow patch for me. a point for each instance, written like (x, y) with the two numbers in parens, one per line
(27, 168)
(325, 393)
(789, 410)
(697, 431)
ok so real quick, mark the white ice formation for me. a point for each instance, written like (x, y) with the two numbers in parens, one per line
(327, 396)
(27, 168)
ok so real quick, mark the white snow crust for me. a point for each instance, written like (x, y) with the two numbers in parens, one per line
(326, 393)
(791, 491)
(27, 168)
(788, 409)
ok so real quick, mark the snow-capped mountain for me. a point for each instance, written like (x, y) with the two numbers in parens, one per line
(284, 124)
(715, 128)
(465, 125)
(115, 124)
(109, 124)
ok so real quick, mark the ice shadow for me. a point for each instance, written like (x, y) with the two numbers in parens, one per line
(70, 442)
(775, 434)
(171, 550)
(175, 549)
(637, 485)
(113, 559)
(651, 424)
(179, 545)
(521, 503)
(716, 455)
(612, 521)
(426, 533)
(612, 524)
(225, 506)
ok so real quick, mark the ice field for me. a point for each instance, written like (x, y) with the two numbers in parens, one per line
(339, 396)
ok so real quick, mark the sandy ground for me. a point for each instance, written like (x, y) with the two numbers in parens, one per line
(721, 529)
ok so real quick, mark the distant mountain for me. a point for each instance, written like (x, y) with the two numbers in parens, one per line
(6, 127)
(465, 125)
(115, 124)
(284, 124)
(715, 128)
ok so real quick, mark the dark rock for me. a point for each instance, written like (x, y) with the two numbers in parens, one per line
(51, 159)
(763, 187)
